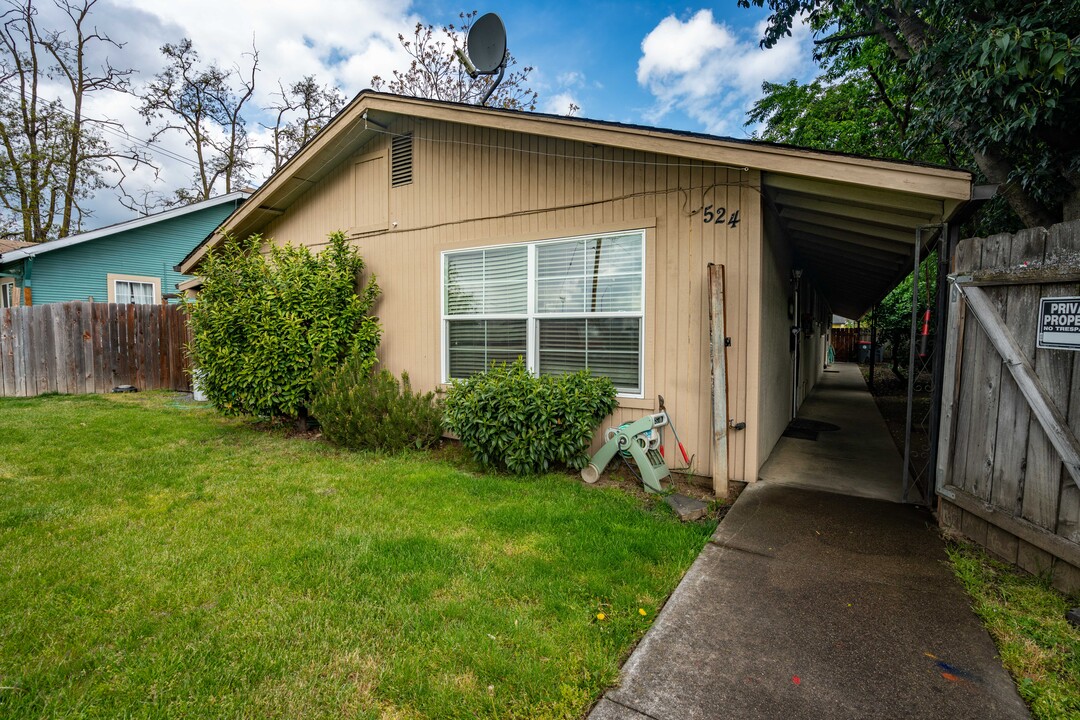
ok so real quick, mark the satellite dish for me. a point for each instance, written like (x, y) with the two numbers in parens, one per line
(486, 43)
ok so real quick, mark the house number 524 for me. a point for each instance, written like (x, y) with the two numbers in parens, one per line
(720, 216)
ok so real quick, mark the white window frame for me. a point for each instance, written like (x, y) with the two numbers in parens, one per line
(532, 316)
(7, 289)
(155, 285)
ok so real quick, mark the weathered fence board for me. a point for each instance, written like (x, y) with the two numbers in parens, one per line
(1014, 415)
(85, 347)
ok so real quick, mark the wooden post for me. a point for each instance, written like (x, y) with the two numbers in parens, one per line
(718, 366)
(947, 426)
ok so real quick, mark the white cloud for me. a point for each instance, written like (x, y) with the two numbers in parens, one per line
(704, 68)
(559, 104)
(341, 42)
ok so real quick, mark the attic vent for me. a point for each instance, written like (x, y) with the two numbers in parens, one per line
(401, 160)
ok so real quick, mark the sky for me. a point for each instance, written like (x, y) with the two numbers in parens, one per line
(695, 67)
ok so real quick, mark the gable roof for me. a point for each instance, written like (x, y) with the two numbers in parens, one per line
(889, 198)
(26, 250)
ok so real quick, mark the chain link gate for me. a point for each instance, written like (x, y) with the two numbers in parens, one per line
(923, 396)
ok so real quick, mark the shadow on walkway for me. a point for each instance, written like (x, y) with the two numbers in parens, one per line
(858, 459)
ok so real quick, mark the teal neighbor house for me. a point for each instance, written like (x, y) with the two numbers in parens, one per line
(130, 262)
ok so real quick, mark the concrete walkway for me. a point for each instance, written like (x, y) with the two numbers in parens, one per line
(859, 459)
(811, 604)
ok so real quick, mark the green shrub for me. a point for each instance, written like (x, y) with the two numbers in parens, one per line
(507, 418)
(263, 318)
(362, 410)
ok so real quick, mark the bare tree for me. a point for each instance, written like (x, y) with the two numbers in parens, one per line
(54, 155)
(304, 108)
(205, 105)
(435, 72)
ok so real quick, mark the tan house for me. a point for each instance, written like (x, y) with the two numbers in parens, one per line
(577, 243)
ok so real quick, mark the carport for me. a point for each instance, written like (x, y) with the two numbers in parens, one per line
(848, 245)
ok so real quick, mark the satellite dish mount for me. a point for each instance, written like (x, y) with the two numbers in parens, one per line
(486, 44)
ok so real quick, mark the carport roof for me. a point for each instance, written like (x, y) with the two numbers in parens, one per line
(855, 242)
(851, 219)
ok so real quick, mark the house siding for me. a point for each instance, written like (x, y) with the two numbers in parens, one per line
(478, 186)
(78, 272)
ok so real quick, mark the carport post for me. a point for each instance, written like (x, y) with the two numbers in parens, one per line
(873, 345)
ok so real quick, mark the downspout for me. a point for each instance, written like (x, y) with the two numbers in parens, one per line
(28, 270)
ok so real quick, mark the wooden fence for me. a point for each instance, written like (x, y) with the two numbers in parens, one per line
(84, 347)
(845, 344)
(1008, 464)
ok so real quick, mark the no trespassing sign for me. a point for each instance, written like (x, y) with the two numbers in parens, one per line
(1059, 323)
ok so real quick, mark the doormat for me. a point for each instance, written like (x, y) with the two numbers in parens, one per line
(813, 425)
(800, 433)
(833, 371)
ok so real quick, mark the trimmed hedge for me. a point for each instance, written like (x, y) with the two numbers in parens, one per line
(509, 419)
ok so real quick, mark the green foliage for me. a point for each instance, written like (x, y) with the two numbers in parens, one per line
(1026, 618)
(894, 311)
(507, 418)
(994, 83)
(263, 319)
(362, 410)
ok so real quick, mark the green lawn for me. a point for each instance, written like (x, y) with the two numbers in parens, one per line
(1026, 618)
(161, 561)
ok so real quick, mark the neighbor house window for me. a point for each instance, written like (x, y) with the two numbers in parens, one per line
(133, 290)
(563, 305)
(7, 293)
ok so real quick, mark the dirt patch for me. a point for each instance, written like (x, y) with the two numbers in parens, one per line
(890, 393)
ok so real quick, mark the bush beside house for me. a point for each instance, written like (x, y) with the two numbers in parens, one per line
(264, 321)
(509, 419)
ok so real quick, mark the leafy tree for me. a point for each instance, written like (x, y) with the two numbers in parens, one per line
(304, 108)
(205, 104)
(267, 317)
(436, 73)
(54, 155)
(996, 79)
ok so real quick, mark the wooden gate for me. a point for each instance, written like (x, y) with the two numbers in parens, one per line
(845, 344)
(1008, 463)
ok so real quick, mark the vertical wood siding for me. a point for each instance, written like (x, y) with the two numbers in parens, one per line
(480, 186)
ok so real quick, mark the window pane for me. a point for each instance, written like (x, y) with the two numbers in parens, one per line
(123, 292)
(558, 260)
(475, 344)
(606, 346)
(506, 280)
(142, 293)
(595, 275)
(560, 295)
(560, 363)
(562, 334)
(618, 255)
(614, 294)
(487, 281)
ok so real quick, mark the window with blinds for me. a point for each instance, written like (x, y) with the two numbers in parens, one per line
(563, 305)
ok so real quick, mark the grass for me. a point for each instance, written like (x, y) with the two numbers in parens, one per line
(161, 561)
(1026, 618)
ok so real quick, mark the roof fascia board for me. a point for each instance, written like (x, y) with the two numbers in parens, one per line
(125, 226)
(918, 179)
